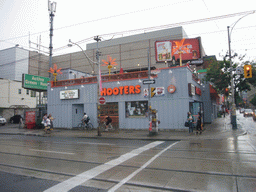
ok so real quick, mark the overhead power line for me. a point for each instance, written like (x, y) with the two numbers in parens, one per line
(148, 29)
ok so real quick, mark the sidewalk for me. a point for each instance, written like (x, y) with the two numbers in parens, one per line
(220, 128)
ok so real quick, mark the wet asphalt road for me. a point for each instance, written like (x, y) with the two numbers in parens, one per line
(30, 163)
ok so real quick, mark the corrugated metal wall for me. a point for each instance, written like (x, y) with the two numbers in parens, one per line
(172, 108)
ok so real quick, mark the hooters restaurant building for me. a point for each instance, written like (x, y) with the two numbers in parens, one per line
(175, 92)
(176, 89)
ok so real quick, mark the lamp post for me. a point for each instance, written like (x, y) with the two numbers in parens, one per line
(72, 43)
(233, 112)
(52, 10)
(97, 38)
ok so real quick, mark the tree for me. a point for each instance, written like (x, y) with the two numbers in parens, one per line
(218, 73)
(253, 100)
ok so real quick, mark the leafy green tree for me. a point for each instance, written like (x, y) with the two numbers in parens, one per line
(253, 100)
(218, 73)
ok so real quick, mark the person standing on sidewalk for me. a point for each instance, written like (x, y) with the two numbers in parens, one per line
(190, 121)
(198, 125)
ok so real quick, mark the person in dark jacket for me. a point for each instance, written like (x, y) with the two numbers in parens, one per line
(108, 122)
(198, 125)
(190, 122)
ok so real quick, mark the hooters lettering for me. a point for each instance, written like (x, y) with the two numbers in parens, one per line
(109, 91)
(137, 89)
(104, 92)
(131, 89)
(115, 91)
(121, 90)
(128, 89)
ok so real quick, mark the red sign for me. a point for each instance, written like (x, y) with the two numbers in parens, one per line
(102, 100)
(191, 49)
(30, 117)
(198, 91)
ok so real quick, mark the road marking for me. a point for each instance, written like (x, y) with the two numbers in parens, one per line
(94, 143)
(52, 151)
(87, 175)
(114, 188)
(251, 145)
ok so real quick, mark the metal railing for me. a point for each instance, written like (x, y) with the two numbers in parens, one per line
(104, 78)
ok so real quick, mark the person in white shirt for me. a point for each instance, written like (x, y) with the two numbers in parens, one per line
(85, 118)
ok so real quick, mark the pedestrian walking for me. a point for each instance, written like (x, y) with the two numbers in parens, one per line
(44, 119)
(198, 125)
(47, 125)
(190, 121)
(51, 120)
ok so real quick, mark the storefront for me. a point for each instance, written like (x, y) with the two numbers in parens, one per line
(175, 92)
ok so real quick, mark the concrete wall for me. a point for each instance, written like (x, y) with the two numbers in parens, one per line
(38, 64)
(128, 51)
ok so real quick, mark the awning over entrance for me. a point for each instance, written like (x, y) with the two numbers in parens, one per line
(214, 94)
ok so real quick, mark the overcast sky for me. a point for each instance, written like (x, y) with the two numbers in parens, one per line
(80, 20)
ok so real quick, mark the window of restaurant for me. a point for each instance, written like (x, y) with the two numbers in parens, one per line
(110, 109)
(136, 108)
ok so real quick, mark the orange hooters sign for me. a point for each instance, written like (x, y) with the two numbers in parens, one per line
(128, 89)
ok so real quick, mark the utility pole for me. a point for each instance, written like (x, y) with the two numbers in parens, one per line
(52, 10)
(233, 112)
(149, 89)
(97, 38)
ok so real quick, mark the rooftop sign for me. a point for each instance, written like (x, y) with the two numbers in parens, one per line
(34, 82)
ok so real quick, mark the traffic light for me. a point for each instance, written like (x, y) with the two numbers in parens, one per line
(226, 92)
(247, 71)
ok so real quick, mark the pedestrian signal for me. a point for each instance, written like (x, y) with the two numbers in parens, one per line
(153, 91)
(247, 71)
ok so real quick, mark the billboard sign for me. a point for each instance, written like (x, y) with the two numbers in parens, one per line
(69, 94)
(164, 50)
(34, 82)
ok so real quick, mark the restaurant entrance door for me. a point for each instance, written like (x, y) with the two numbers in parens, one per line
(194, 108)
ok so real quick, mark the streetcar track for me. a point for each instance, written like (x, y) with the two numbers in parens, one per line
(125, 166)
(195, 150)
(117, 155)
(98, 179)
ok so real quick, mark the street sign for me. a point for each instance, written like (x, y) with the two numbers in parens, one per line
(102, 100)
(149, 81)
(239, 70)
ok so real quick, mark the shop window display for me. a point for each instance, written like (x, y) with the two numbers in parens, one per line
(136, 108)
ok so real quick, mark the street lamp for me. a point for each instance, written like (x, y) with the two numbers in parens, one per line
(72, 43)
(233, 112)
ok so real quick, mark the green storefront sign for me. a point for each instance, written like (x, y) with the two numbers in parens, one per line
(34, 82)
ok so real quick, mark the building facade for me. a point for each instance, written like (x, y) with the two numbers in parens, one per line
(14, 62)
(175, 92)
